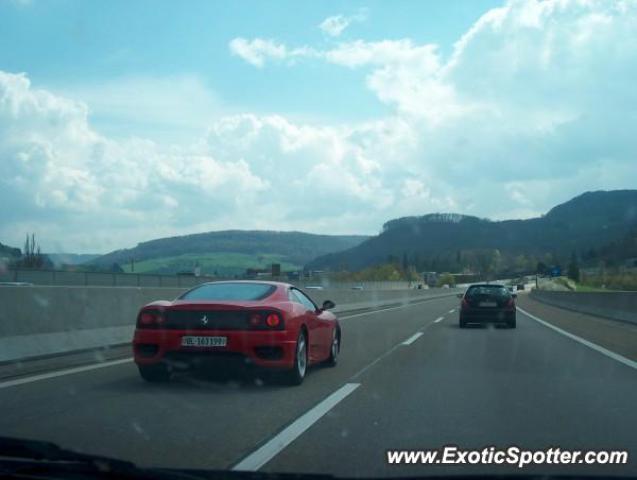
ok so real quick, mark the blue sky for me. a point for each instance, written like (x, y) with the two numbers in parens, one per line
(66, 45)
(124, 121)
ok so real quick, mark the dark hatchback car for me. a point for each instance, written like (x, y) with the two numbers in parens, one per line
(487, 303)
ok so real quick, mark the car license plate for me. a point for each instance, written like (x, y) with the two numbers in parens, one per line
(487, 304)
(204, 341)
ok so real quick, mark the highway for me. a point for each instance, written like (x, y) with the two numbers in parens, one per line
(408, 377)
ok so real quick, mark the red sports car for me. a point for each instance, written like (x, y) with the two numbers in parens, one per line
(265, 324)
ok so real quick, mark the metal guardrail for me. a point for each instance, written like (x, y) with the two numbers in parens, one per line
(99, 279)
(108, 279)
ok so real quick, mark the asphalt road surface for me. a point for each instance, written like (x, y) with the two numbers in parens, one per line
(408, 378)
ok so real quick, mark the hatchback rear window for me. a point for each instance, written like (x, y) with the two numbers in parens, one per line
(494, 290)
(229, 291)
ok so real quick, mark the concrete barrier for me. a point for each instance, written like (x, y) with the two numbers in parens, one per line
(44, 320)
(620, 306)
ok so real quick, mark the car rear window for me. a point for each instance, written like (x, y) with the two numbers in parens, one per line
(229, 291)
(494, 290)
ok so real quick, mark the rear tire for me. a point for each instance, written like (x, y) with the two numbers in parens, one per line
(154, 373)
(335, 348)
(296, 375)
(511, 323)
(462, 323)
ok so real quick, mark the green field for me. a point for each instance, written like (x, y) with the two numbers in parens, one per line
(224, 264)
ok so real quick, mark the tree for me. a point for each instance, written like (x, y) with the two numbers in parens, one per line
(573, 269)
(115, 268)
(446, 279)
(32, 256)
(541, 268)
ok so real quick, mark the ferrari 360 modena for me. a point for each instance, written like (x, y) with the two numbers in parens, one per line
(215, 325)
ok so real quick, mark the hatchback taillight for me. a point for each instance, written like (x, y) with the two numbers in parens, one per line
(510, 304)
(464, 305)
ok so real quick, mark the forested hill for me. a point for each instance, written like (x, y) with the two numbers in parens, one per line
(587, 222)
(230, 251)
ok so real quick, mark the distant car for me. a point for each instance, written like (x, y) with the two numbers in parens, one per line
(217, 324)
(520, 287)
(357, 287)
(484, 303)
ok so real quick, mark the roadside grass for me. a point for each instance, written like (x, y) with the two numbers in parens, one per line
(221, 262)
(566, 284)
(589, 288)
(607, 283)
(619, 281)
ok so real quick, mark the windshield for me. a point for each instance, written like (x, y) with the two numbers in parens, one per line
(229, 291)
(360, 238)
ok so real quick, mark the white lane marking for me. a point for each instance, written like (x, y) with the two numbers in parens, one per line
(439, 319)
(375, 361)
(413, 338)
(381, 310)
(60, 373)
(384, 355)
(276, 444)
(452, 310)
(594, 346)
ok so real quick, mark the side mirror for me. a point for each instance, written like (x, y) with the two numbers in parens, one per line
(460, 295)
(328, 305)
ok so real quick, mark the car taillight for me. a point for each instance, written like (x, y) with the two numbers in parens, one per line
(464, 305)
(255, 319)
(149, 319)
(510, 304)
(273, 320)
(265, 321)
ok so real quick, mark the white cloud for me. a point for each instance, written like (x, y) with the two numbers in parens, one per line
(334, 25)
(258, 50)
(65, 181)
(534, 89)
(535, 105)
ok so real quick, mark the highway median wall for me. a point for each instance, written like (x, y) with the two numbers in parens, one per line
(621, 306)
(42, 320)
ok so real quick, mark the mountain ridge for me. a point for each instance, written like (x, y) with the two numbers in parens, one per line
(290, 247)
(590, 220)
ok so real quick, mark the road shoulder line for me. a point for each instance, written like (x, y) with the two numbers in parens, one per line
(598, 348)
(60, 373)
